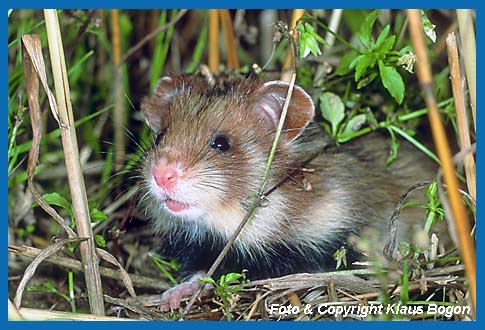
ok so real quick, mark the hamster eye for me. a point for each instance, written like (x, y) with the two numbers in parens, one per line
(221, 143)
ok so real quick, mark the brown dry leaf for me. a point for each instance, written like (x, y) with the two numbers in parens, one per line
(124, 274)
(33, 69)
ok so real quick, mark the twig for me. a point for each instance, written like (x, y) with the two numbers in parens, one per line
(73, 165)
(467, 248)
(392, 228)
(137, 280)
(461, 115)
(152, 35)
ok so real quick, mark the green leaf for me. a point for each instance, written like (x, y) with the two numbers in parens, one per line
(332, 109)
(340, 256)
(312, 46)
(353, 125)
(97, 215)
(355, 61)
(386, 46)
(382, 36)
(209, 280)
(309, 40)
(43, 287)
(231, 277)
(344, 65)
(365, 33)
(364, 62)
(99, 239)
(392, 80)
(57, 200)
(428, 27)
(309, 28)
(163, 265)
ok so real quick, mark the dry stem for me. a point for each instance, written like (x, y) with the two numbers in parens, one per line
(73, 164)
(461, 115)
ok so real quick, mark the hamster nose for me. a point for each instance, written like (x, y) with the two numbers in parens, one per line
(165, 175)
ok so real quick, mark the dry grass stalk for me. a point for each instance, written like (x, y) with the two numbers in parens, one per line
(230, 40)
(461, 115)
(73, 164)
(29, 314)
(119, 110)
(30, 270)
(467, 34)
(214, 41)
(75, 265)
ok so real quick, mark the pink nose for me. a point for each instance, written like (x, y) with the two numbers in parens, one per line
(165, 175)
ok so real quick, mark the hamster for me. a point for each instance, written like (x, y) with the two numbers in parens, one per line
(207, 163)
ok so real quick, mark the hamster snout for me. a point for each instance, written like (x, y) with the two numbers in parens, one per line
(166, 175)
(173, 189)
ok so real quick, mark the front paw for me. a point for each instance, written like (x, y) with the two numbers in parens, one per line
(172, 298)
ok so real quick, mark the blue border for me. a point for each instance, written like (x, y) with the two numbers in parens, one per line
(247, 4)
(141, 4)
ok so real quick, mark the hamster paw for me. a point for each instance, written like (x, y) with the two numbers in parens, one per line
(172, 298)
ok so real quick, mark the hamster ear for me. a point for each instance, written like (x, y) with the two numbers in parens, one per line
(269, 104)
(155, 107)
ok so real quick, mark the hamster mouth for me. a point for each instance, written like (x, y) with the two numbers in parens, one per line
(176, 206)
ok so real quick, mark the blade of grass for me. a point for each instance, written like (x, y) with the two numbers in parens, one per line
(199, 48)
(161, 49)
(152, 35)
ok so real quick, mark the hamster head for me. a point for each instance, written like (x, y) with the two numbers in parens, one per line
(212, 146)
